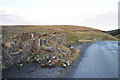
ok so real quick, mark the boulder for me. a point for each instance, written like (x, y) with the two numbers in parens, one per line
(64, 65)
(48, 49)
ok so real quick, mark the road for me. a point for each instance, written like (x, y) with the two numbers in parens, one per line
(100, 61)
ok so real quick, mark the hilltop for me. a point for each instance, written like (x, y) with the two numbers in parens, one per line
(75, 34)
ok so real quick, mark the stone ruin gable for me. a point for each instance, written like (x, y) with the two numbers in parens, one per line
(23, 37)
(34, 39)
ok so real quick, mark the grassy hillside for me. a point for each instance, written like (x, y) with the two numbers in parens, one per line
(118, 36)
(74, 33)
(115, 33)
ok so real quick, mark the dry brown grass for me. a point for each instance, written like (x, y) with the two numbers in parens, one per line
(75, 55)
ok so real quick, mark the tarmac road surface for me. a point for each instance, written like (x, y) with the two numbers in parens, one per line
(100, 61)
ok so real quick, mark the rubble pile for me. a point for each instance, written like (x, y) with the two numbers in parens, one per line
(49, 50)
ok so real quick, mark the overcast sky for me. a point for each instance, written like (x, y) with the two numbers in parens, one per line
(100, 14)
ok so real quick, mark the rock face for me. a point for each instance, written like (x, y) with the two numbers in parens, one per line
(46, 49)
